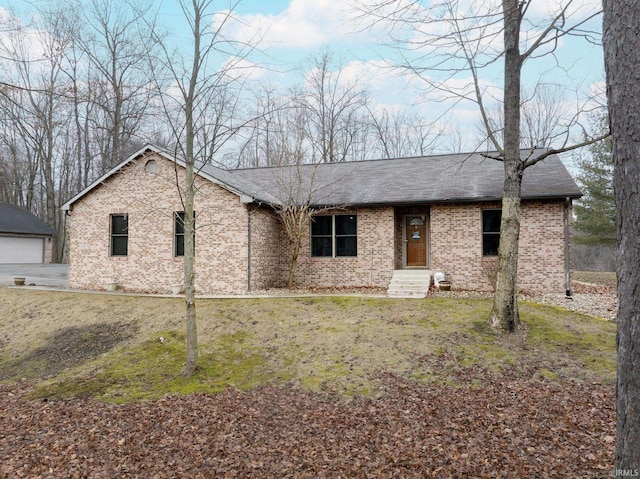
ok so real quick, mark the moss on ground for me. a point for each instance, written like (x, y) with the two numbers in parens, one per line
(333, 344)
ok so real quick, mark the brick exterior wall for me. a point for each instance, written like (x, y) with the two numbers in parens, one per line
(376, 254)
(224, 242)
(268, 250)
(456, 245)
(150, 202)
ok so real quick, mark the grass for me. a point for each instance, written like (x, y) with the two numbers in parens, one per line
(110, 346)
(595, 277)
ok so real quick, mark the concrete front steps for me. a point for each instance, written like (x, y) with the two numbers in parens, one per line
(410, 283)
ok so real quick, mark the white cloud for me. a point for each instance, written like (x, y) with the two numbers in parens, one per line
(241, 68)
(25, 45)
(547, 8)
(303, 24)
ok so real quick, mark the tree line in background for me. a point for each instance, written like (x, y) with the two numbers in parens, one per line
(595, 223)
(80, 91)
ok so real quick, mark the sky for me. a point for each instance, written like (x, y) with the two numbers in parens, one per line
(294, 31)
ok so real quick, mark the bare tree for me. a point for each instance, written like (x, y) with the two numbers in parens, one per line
(398, 134)
(622, 63)
(117, 43)
(454, 43)
(200, 110)
(300, 194)
(334, 111)
(544, 122)
(33, 109)
(295, 209)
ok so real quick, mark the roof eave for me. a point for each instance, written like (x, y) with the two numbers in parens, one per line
(485, 199)
(67, 206)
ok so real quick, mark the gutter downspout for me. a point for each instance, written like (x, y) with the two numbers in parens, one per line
(567, 260)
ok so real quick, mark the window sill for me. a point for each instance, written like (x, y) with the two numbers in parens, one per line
(332, 258)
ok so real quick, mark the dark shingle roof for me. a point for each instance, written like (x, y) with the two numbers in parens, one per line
(19, 220)
(429, 179)
(460, 177)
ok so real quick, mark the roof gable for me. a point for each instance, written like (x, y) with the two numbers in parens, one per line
(19, 220)
(211, 173)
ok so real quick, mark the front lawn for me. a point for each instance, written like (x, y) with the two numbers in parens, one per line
(123, 348)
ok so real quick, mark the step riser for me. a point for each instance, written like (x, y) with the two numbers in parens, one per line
(423, 286)
(409, 284)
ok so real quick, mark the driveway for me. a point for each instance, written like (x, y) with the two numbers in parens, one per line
(56, 275)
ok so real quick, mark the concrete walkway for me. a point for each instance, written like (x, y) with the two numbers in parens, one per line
(56, 277)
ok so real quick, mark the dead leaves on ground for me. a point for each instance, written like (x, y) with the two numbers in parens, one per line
(506, 425)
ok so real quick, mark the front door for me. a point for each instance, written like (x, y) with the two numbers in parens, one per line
(415, 240)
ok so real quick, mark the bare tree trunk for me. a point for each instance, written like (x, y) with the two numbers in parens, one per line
(504, 314)
(293, 261)
(189, 237)
(189, 270)
(622, 63)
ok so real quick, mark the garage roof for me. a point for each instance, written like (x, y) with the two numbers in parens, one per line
(19, 220)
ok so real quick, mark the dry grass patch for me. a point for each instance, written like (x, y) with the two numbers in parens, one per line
(595, 277)
(331, 344)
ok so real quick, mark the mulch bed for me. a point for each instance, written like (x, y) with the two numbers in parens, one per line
(492, 426)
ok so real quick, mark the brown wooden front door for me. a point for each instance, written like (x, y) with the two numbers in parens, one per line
(415, 240)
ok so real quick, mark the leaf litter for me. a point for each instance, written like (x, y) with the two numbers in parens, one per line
(486, 425)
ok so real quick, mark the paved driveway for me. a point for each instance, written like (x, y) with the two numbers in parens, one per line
(39, 274)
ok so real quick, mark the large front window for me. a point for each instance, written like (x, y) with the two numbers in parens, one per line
(119, 235)
(490, 232)
(334, 235)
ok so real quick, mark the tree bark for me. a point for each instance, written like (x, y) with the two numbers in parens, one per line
(189, 223)
(621, 39)
(189, 273)
(504, 314)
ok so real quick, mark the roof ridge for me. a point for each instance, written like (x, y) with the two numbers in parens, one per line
(375, 160)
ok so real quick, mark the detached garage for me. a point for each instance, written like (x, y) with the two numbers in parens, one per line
(24, 238)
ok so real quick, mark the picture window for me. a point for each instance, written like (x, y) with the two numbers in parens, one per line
(334, 236)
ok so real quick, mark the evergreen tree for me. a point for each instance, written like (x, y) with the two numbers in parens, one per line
(596, 210)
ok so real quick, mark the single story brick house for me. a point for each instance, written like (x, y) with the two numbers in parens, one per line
(437, 213)
(24, 238)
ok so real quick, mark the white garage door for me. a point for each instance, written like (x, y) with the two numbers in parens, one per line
(21, 250)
